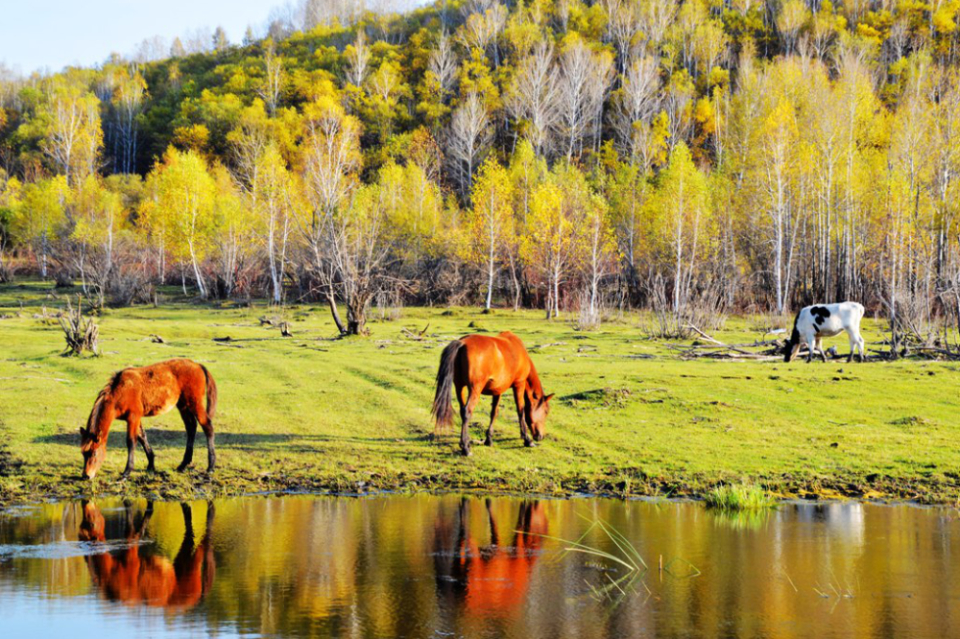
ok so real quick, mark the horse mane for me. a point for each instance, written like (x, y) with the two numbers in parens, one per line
(101, 398)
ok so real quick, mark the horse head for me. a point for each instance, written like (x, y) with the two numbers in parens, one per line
(94, 450)
(93, 526)
(538, 417)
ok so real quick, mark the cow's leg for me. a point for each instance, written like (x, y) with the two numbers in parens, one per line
(853, 344)
(190, 423)
(810, 348)
(793, 351)
(493, 417)
(862, 347)
(823, 354)
(133, 428)
(148, 451)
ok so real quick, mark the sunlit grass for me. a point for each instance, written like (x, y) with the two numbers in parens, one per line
(312, 412)
(739, 497)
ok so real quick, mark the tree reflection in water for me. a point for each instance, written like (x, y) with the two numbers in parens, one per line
(429, 565)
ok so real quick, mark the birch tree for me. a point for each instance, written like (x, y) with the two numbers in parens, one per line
(186, 203)
(533, 97)
(585, 77)
(490, 225)
(468, 139)
(332, 159)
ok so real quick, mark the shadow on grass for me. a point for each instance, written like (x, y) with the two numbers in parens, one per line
(171, 438)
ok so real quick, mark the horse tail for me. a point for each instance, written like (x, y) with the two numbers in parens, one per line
(442, 403)
(211, 393)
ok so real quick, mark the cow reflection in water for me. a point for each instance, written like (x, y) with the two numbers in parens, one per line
(490, 579)
(138, 575)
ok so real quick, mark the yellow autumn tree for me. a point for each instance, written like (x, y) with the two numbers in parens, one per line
(683, 208)
(41, 215)
(553, 240)
(490, 227)
(99, 217)
(183, 209)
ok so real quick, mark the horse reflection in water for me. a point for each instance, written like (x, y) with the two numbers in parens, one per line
(489, 580)
(135, 577)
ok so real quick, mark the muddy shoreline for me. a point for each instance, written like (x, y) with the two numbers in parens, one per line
(19, 487)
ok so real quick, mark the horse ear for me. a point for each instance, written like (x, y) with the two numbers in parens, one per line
(547, 398)
(83, 433)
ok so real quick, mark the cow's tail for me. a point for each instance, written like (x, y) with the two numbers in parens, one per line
(211, 393)
(442, 402)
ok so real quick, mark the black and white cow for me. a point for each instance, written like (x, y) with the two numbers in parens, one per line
(825, 320)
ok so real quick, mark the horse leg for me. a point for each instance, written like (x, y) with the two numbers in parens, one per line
(493, 417)
(494, 532)
(133, 428)
(207, 425)
(519, 397)
(148, 451)
(181, 563)
(190, 423)
(473, 396)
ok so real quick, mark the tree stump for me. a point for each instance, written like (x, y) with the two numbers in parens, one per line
(81, 333)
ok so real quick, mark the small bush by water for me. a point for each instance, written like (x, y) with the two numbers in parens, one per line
(739, 497)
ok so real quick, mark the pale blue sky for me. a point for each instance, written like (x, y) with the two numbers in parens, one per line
(52, 34)
(37, 34)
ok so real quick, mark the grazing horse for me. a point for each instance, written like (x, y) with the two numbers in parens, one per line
(134, 577)
(134, 393)
(813, 323)
(484, 365)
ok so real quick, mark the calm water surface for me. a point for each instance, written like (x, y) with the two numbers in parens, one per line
(428, 566)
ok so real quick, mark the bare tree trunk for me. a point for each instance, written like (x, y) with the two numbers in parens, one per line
(332, 301)
(196, 271)
(357, 314)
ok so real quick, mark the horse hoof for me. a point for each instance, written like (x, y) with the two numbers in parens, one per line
(488, 442)
(181, 468)
(124, 475)
(465, 452)
(530, 444)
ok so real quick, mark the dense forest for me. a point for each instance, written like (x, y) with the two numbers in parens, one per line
(688, 156)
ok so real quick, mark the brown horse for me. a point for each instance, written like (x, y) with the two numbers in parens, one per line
(134, 577)
(490, 366)
(134, 393)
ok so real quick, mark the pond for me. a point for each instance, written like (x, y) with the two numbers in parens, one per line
(451, 566)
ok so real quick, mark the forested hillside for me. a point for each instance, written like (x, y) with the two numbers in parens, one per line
(689, 156)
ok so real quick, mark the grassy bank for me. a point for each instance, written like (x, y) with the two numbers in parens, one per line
(313, 413)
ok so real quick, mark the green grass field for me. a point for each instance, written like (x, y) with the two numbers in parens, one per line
(310, 412)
